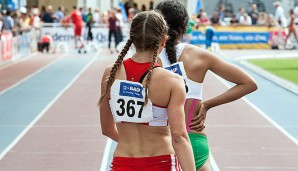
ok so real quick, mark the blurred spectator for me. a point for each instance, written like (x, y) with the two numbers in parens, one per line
(76, 18)
(48, 15)
(83, 14)
(144, 8)
(262, 19)
(135, 5)
(1, 10)
(96, 16)
(200, 13)
(209, 36)
(204, 20)
(59, 14)
(234, 21)
(215, 20)
(42, 11)
(291, 27)
(271, 22)
(104, 18)
(112, 29)
(245, 20)
(8, 22)
(221, 12)
(189, 30)
(119, 25)
(89, 24)
(240, 13)
(15, 16)
(36, 22)
(131, 14)
(279, 14)
(24, 21)
(45, 43)
(254, 13)
(126, 6)
(151, 5)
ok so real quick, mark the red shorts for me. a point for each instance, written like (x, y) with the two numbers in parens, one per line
(155, 163)
(77, 30)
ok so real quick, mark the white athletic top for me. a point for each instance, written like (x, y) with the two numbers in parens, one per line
(194, 90)
(126, 103)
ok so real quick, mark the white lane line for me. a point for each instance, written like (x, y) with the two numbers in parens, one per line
(31, 75)
(213, 163)
(105, 157)
(12, 144)
(261, 112)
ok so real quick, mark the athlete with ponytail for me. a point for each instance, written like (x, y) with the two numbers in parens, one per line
(192, 63)
(141, 106)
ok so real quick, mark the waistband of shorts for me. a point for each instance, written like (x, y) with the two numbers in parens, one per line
(148, 159)
(194, 135)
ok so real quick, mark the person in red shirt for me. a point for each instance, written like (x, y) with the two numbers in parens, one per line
(45, 43)
(77, 20)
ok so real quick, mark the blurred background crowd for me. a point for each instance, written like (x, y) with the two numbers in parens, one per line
(26, 18)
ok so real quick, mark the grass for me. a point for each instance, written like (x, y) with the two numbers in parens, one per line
(285, 68)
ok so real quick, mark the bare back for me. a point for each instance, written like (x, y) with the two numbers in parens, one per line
(134, 137)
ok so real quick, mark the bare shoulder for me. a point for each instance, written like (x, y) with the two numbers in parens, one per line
(107, 72)
(199, 53)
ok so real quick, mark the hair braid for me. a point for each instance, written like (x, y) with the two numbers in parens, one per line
(115, 67)
(150, 72)
(170, 46)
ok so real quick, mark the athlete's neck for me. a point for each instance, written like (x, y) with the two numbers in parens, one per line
(143, 56)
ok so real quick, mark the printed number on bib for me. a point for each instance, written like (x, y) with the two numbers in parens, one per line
(129, 108)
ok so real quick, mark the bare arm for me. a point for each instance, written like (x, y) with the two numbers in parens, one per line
(108, 126)
(180, 140)
(244, 85)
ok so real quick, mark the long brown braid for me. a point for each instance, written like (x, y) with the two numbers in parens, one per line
(115, 67)
(150, 72)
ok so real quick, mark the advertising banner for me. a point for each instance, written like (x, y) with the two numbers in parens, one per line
(66, 34)
(241, 37)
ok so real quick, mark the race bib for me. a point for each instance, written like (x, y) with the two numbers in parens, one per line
(127, 100)
(178, 68)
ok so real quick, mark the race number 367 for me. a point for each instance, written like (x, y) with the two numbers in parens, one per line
(130, 108)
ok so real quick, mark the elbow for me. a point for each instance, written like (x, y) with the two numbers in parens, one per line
(105, 132)
(250, 86)
(178, 137)
(253, 86)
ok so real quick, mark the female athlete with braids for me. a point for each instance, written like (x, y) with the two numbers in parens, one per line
(146, 119)
(192, 63)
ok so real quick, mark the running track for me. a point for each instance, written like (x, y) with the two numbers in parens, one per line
(49, 119)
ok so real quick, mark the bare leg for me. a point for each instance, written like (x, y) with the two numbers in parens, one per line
(206, 166)
(76, 42)
(289, 34)
(296, 36)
